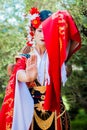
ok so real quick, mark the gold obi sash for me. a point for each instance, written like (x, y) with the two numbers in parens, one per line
(43, 119)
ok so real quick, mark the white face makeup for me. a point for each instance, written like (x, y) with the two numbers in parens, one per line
(39, 37)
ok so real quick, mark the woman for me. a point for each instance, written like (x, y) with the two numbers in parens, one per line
(33, 99)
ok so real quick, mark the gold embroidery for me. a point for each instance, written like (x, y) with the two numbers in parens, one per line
(12, 79)
(44, 124)
(9, 91)
(60, 43)
(42, 97)
(39, 106)
(8, 126)
(9, 114)
(61, 21)
(61, 114)
(41, 89)
(61, 30)
(9, 102)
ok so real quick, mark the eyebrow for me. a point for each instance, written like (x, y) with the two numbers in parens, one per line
(40, 28)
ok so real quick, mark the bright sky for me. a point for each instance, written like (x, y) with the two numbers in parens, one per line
(11, 10)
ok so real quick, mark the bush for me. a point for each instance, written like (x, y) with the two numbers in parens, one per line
(80, 122)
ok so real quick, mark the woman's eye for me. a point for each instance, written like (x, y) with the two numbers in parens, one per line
(39, 30)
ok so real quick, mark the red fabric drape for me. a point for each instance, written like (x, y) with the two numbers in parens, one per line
(6, 112)
(58, 30)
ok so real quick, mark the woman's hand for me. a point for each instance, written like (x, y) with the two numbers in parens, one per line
(31, 68)
(30, 74)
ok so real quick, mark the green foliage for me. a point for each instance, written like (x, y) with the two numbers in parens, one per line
(11, 42)
(80, 121)
(12, 39)
(45, 4)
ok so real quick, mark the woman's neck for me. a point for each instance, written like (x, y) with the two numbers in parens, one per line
(40, 49)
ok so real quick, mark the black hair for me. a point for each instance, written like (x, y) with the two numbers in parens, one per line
(44, 14)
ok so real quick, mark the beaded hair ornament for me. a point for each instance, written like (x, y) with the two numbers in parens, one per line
(33, 21)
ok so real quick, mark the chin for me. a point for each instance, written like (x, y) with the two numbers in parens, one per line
(41, 43)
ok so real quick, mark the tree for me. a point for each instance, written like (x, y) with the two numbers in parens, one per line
(12, 37)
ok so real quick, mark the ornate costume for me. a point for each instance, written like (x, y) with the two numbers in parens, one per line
(43, 99)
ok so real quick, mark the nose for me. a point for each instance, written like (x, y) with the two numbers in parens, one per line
(42, 35)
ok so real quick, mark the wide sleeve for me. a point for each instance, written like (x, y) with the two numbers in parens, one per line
(6, 112)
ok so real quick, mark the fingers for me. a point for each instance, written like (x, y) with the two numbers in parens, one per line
(31, 68)
(32, 60)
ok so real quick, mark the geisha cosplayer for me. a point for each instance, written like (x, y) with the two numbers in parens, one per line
(33, 96)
